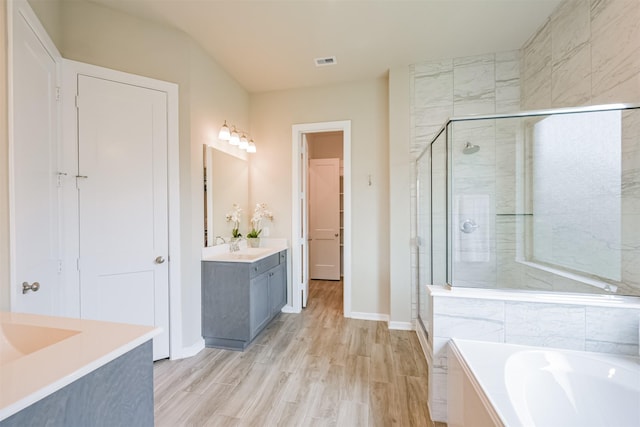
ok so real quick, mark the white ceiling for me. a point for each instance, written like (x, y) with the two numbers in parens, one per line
(271, 45)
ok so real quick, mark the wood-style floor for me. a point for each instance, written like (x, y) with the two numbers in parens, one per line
(308, 369)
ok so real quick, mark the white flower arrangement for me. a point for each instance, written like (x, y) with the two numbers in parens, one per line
(234, 216)
(259, 213)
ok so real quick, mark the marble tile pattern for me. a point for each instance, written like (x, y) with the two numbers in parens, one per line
(459, 86)
(571, 54)
(587, 53)
(555, 325)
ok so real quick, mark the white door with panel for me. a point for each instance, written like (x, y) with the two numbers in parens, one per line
(324, 219)
(36, 273)
(122, 184)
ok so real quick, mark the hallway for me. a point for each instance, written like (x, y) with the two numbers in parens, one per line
(313, 368)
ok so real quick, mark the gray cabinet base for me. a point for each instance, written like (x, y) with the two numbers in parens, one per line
(118, 394)
(240, 299)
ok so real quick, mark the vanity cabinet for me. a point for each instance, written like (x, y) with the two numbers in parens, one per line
(239, 299)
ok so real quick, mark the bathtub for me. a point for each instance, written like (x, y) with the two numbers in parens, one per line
(494, 384)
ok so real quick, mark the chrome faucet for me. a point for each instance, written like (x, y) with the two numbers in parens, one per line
(221, 238)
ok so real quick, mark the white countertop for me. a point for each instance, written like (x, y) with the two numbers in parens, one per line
(221, 253)
(82, 346)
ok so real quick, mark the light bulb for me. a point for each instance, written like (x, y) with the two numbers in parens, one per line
(234, 138)
(252, 147)
(224, 132)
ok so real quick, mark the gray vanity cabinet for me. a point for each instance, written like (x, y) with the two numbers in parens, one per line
(239, 299)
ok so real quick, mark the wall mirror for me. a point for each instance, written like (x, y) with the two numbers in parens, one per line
(226, 181)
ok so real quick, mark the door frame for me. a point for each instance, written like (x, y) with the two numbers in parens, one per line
(297, 239)
(71, 70)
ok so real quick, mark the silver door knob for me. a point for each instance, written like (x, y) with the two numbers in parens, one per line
(159, 260)
(26, 287)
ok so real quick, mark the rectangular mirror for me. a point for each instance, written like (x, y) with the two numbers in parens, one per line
(226, 181)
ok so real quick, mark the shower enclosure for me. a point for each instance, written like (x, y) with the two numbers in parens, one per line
(545, 201)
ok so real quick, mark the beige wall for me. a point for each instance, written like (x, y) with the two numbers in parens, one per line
(365, 104)
(4, 165)
(96, 35)
(401, 308)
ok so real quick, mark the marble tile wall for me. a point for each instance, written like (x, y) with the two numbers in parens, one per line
(567, 326)
(587, 53)
(482, 84)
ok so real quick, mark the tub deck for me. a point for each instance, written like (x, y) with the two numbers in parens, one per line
(533, 386)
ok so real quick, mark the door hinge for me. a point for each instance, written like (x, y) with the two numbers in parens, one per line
(78, 264)
(77, 101)
(59, 178)
(59, 266)
(57, 93)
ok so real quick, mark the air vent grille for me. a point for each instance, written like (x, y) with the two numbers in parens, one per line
(323, 62)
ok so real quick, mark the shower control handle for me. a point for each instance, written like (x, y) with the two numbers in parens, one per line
(468, 226)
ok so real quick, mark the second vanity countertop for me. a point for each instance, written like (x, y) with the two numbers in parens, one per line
(221, 253)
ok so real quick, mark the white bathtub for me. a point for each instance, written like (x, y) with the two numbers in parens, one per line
(493, 384)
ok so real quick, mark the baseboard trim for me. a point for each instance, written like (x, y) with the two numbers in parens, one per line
(401, 326)
(289, 309)
(193, 349)
(370, 316)
(424, 343)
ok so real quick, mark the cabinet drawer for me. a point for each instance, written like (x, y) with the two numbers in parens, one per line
(264, 265)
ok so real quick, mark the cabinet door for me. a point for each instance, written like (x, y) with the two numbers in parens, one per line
(259, 309)
(277, 289)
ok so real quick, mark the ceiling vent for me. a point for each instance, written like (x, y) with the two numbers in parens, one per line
(329, 60)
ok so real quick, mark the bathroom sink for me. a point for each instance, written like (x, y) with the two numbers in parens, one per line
(18, 340)
(243, 255)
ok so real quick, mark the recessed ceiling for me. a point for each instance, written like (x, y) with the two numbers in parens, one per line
(271, 45)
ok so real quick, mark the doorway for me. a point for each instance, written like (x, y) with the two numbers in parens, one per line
(325, 213)
(301, 136)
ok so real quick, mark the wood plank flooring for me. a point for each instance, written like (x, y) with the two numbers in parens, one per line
(311, 369)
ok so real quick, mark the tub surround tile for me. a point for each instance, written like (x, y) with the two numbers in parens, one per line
(469, 319)
(612, 331)
(545, 325)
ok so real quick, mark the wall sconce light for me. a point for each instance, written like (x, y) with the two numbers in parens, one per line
(244, 143)
(236, 139)
(224, 133)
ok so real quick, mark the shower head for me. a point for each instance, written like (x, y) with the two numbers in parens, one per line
(470, 148)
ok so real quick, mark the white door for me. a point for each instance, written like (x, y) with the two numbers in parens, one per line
(122, 182)
(324, 219)
(35, 229)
